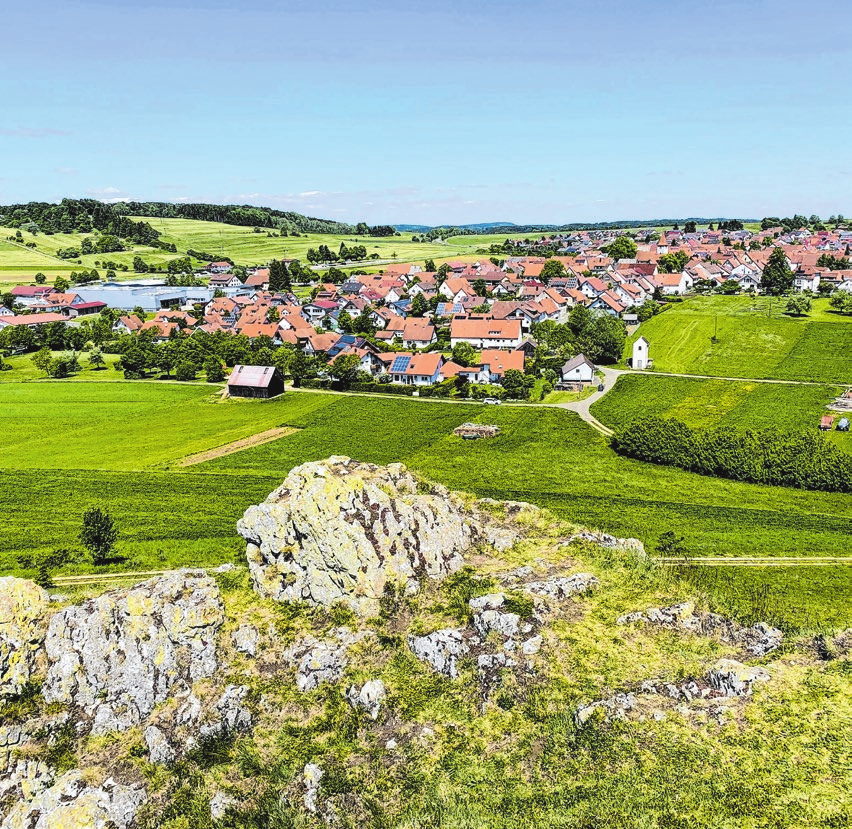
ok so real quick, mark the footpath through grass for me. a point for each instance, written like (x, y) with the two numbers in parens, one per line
(754, 340)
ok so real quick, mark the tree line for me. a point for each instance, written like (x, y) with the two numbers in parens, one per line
(771, 456)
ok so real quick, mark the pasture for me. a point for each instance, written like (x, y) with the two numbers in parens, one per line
(701, 403)
(755, 339)
(65, 447)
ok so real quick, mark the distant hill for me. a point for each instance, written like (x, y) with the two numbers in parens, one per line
(85, 214)
(481, 227)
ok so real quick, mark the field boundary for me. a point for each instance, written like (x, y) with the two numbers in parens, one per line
(754, 561)
(238, 445)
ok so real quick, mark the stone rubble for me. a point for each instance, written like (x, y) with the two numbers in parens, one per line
(441, 650)
(312, 776)
(561, 587)
(246, 639)
(369, 697)
(318, 661)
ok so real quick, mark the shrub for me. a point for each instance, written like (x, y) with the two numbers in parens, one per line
(185, 371)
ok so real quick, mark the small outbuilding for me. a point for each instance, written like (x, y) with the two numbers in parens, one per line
(826, 422)
(640, 359)
(579, 369)
(261, 382)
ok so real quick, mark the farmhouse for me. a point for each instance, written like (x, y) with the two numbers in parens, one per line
(255, 381)
(578, 369)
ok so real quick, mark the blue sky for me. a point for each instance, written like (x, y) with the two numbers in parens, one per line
(432, 112)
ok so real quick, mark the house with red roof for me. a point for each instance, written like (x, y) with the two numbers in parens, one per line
(485, 332)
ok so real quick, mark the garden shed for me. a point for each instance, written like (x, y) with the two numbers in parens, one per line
(255, 381)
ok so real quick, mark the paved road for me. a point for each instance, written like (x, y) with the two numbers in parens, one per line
(583, 407)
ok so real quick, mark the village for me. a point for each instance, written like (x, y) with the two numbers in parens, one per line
(461, 323)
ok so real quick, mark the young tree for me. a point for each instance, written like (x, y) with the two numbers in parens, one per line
(553, 269)
(45, 564)
(429, 266)
(98, 534)
(96, 358)
(61, 285)
(799, 305)
(40, 279)
(42, 359)
(185, 371)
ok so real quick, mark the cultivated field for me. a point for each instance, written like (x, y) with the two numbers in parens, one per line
(754, 340)
(703, 403)
(68, 446)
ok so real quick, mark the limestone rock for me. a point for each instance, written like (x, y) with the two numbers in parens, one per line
(531, 646)
(616, 707)
(71, 802)
(369, 697)
(246, 639)
(318, 661)
(23, 608)
(506, 624)
(609, 542)
(313, 774)
(20, 778)
(562, 587)
(159, 749)
(339, 531)
(734, 679)
(441, 650)
(230, 714)
(219, 804)
(117, 656)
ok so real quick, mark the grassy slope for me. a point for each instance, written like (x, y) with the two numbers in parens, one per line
(704, 403)
(751, 343)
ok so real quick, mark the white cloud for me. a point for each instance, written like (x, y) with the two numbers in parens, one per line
(32, 132)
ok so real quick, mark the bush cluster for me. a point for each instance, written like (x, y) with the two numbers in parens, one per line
(772, 456)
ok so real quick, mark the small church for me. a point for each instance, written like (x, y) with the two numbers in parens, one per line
(640, 355)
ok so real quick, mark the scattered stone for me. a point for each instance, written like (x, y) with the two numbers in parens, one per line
(531, 646)
(246, 639)
(490, 601)
(159, 749)
(370, 697)
(339, 531)
(616, 707)
(758, 640)
(71, 802)
(441, 650)
(391, 744)
(231, 716)
(561, 587)
(224, 568)
(734, 679)
(219, 805)
(609, 542)
(23, 609)
(312, 776)
(506, 624)
(119, 655)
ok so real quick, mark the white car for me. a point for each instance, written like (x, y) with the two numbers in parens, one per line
(491, 401)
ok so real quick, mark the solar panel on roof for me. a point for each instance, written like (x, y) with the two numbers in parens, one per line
(400, 364)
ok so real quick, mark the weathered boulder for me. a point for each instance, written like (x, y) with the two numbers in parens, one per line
(312, 776)
(441, 650)
(734, 679)
(71, 802)
(21, 778)
(119, 655)
(230, 715)
(318, 661)
(159, 748)
(369, 697)
(246, 639)
(339, 531)
(23, 610)
(615, 707)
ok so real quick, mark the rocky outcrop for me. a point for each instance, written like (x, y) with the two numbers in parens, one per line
(71, 802)
(733, 679)
(615, 707)
(246, 639)
(757, 640)
(318, 661)
(608, 542)
(118, 656)
(21, 778)
(23, 611)
(340, 531)
(562, 587)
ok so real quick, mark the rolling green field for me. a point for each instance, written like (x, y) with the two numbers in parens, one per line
(754, 341)
(704, 403)
(20, 264)
(65, 447)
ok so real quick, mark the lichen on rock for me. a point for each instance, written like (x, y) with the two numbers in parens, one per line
(339, 531)
(119, 655)
(23, 610)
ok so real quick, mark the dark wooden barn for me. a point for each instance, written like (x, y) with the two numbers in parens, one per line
(255, 381)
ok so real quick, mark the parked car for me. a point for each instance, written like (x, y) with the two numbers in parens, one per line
(491, 401)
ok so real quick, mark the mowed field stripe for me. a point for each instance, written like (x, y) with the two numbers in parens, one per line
(238, 445)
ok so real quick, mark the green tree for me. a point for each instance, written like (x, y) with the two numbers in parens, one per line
(689, 227)
(345, 368)
(622, 248)
(429, 266)
(185, 371)
(579, 318)
(443, 270)
(419, 306)
(98, 534)
(42, 359)
(96, 358)
(45, 564)
(841, 301)
(61, 285)
(139, 265)
(515, 384)
(40, 278)
(553, 269)
(464, 354)
(799, 305)
(213, 370)
(480, 287)
(777, 276)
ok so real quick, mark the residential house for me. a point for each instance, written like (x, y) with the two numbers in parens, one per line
(219, 267)
(224, 280)
(416, 369)
(497, 363)
(485, 332)
(127, 325)
(578, 369)
(418, 333)
(34, 321)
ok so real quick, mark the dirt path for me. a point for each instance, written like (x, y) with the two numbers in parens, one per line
(238, 445)
(755, 561)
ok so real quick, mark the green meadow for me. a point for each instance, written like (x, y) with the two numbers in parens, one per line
(702, 403)
(65, 447)
(241, 244)
(754, 339)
